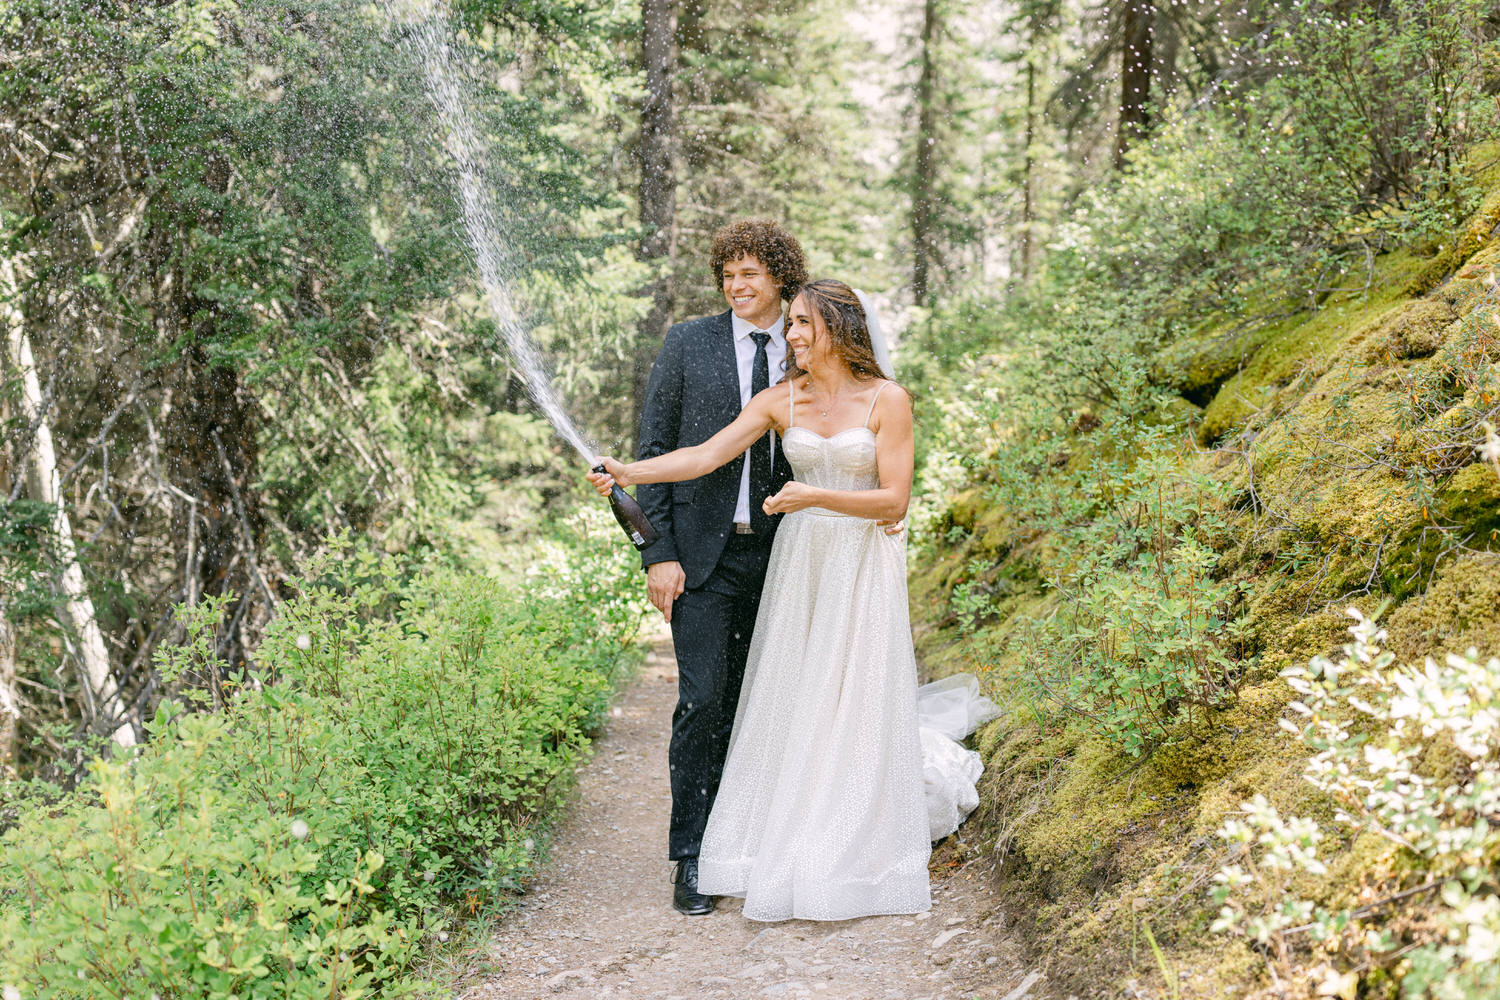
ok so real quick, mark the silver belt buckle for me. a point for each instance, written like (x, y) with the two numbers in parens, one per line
(742, 528)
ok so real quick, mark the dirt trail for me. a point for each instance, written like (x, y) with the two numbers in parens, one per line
(598, 921)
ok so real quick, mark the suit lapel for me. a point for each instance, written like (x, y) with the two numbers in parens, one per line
(726, 366)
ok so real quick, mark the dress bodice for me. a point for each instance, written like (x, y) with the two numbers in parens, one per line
(845, 461)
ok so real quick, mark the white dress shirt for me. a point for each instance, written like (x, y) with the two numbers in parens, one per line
(744, 353)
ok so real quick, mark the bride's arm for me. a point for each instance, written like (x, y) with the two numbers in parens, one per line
(690, 463)
(894, 455)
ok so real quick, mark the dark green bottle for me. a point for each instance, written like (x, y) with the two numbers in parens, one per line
(632, 519)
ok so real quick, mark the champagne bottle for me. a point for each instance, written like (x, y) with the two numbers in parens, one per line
(632, 519)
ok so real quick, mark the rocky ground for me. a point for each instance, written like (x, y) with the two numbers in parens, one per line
(598, 922)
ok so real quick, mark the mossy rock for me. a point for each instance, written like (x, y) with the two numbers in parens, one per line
(1319, 634)
(1461, 609)
(1469, 508)
(965, 508)
(1096, 845)
(1416, 330)
(1197, 367)
(1230, 743)
(1369, 858)
(1303, 345)
(1472, 499)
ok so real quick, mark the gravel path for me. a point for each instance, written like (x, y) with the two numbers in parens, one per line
(598, 922)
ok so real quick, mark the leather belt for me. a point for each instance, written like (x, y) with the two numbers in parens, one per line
(741, 528)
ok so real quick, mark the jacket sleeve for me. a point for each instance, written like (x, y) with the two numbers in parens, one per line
(661, 420)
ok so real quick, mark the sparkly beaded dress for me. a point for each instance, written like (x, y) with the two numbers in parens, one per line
(821, 814)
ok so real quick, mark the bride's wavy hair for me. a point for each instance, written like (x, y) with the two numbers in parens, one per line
(848, 330)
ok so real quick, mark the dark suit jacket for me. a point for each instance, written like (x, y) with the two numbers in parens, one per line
(694, 393)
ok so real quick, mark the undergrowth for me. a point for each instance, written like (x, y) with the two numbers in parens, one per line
(388, 769)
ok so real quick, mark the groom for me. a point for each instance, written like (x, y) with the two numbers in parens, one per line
(706, 571)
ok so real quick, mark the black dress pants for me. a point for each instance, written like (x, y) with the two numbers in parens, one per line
(711, 628)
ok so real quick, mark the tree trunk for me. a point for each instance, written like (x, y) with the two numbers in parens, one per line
(1135, 75)
(10, 705)
(1028, 162)
(924, 177)
(658, 191)
(101, 699)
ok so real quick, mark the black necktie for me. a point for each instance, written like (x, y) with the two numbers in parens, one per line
(760, 451)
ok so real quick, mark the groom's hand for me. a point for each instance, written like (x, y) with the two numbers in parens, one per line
(665, 582)
(892, 527)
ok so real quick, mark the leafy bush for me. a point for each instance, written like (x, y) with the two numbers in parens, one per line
(1114, 518)
(1142, 630)
(303, 840)
(26, 542)
(1382, 99)
(1411, 756)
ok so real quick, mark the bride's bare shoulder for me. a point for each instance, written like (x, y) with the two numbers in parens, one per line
(891, 393)
(891, 407)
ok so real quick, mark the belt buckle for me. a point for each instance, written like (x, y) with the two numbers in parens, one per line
(743, 528)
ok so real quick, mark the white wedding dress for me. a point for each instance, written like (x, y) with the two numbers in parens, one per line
(823, 812)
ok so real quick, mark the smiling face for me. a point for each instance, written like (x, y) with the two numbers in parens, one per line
(827, 330)
(751, 291)
(807, 335)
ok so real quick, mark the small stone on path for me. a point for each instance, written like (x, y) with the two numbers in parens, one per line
(1024, 990)
(947, 936)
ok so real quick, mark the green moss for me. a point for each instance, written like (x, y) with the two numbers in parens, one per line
(1413, 331)
(1459, 610)
(1197, 366)
(964, 509)
(1095, 803)
(1470, 504)
(1295, 343)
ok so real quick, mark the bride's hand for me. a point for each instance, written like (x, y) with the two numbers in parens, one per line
(614, 473)
(793, 496)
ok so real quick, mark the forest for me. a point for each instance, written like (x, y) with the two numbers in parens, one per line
(308, 617)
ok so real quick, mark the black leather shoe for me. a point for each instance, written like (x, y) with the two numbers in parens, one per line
(685, 895)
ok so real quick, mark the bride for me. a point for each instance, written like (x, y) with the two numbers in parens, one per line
(821, 812)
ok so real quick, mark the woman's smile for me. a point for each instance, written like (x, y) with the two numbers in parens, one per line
(799, 348)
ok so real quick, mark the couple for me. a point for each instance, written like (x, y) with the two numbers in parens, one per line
(818, 811)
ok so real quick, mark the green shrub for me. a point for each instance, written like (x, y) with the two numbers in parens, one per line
(1142, 630)
(390, 762)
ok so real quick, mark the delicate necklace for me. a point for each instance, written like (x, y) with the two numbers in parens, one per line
(832, 398)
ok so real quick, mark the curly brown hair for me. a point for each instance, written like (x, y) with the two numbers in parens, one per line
(767, 242)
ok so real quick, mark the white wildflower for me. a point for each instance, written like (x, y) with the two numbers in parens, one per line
(1490, 450)
(299, 829)
(9, 992)
(304, 642)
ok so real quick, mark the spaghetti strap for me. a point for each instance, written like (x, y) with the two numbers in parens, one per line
(871, 410)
